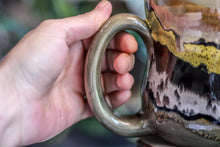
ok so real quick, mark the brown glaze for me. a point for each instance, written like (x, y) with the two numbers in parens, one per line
(181, 87)
(185, 97)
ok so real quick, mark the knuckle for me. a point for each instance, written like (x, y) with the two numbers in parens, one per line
(47, 22)
(51, 26)
(95, 19)
(51, 23)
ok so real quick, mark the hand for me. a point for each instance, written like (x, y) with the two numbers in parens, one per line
(42, 91)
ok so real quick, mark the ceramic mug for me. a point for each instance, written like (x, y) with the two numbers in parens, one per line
(181, 88)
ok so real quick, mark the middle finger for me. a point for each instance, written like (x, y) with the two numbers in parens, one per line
(118, 61)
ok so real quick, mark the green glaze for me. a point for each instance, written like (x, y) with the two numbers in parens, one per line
(180, 91)
(127, 125)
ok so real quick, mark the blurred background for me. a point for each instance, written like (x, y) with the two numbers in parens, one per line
(18, 17)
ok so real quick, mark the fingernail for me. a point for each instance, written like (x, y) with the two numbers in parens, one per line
(103, 4)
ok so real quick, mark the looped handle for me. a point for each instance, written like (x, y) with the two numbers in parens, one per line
(133, 125)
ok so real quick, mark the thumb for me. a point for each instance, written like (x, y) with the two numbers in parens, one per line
(84, 26)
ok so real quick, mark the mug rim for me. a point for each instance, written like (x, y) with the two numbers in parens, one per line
(213, 4)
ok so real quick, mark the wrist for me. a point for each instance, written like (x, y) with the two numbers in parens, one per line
(10, 116)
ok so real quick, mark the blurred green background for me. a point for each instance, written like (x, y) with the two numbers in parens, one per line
(18, 17)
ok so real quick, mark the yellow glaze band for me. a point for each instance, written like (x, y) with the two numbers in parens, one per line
(195, 54)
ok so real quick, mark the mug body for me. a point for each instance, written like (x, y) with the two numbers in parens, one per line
(182, 91)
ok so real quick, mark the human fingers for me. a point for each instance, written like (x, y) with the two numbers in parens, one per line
(79, 27)
(115, 82)
(118, 61)
(84, 26)
(124, 42)
(114, 100)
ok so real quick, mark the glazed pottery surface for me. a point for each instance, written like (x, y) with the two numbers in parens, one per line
(181, 86)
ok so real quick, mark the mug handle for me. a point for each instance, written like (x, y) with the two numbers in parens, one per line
(130, 125)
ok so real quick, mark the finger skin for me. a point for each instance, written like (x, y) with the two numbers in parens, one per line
(114, 100)
(124, 42)
(115, 82)
(116, 61)
(80, 27)
(124, 63)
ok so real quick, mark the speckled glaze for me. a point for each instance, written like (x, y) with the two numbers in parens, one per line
(181, 86)
(183, 80)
